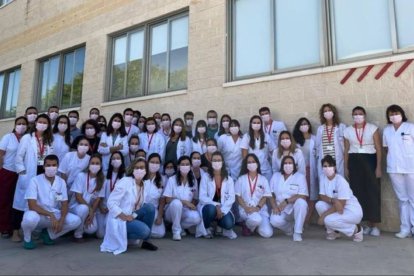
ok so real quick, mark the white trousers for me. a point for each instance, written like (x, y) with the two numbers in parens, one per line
(257, 220)
(180, 217)
(293, 219)
(82, 211)
(33, 221)
(157, 231)
(403, 184)
(344, 223)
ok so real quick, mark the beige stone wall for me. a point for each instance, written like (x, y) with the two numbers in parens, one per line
(39, 28)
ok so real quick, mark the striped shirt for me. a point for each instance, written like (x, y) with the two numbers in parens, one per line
(328, 145)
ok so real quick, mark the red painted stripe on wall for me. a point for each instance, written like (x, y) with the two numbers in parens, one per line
(348, 75)
(365, 73)
(383, 70)
(403, 67)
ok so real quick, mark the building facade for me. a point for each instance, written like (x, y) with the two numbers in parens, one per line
(233, 56)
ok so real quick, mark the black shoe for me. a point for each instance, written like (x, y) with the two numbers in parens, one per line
(148, 246)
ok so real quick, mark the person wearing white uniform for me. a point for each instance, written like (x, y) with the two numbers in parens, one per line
(199, 140)
(289, 205)
(165, 129)
(114, 139)
(224, 126)
(398, 140)
(196, 167)
(252, 191)
(181, 196)
(48, 206)
(229, 146)
(88, 192)
(271, 127)
(130, 128)
(259, 143)
(61, 137)
(129, 218)
(178, 143)
(330, 137)
(150, 140)
(216, 200)
(133, 149)
(189, 119)
(338, 209)
(287, 147)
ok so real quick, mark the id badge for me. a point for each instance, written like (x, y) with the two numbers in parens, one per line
(329, 148)
(59, 197)
(40, 162)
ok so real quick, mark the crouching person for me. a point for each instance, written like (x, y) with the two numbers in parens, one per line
(48, 206)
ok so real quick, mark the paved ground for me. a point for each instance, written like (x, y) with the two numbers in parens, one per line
(245, 255)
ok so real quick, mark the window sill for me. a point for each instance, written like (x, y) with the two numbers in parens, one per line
(321, 70)
(145, 98)
(10, 119)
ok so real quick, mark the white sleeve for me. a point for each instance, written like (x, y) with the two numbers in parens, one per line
(244, 144)
(102, 149)
(226, 207)
(267, 191)
(273, 183)
(203, 195)
(31, 192)
(300, 162)
(115, 198)
(322, 186)
(21, 152)
(168, 192)
(303, 186)
(64, 165)
(78, 185)
(344, 191)
(4, 142)
(237, 186)
(64, 190)
(125, 146)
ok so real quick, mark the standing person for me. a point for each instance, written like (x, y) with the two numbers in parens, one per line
(135, 119)
(89, 130)
(330, 137)
(229, 146)
(165, 129)
(133, 144)
(302, 133)
(362, 162)
(73, 120)
(150, 140)
(212, 125)
(48, 206)
(178, 144)
(252, 191)
(129, 218)
(196, 167)
(200, 137)
(157, 118)
(130, 128)
(259, 143)
(398, 140)
(181, 195)
(53, 113)
(287, 147)
(271, 127)
(206, 157)
(94, 113)
(114, 139)
(216, 200)
(141, 123)
(8, 176)
(102, 125)
(224, 126)
(289, 205)
(31, 115)
(61, 137)
(32, 150)
(189, 119)
(338, 209)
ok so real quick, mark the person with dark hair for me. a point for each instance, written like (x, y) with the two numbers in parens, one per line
(206, 157)
(181, 195)
(212, 125)
(229, 146)
(216, 200)
(157, 118)
(398, 141)
(196, 167)
(31, 115)
(102, 125)
(271, 127)
(169, 170)
(224, 127)
(150, 140)
(189, 119)
(141, 154)
(53, 113)
(287, 147)
(199, 139)
(338, 209)
(89, 130)
(94, 113)
(165, 129)
(133, 147)
(137, 115)
(141, 123)
(8, 176)
(289, 205)
(73, 120)
(48, 206)
(61, 137)
(130, 128)
(252, 192)
(178, 143)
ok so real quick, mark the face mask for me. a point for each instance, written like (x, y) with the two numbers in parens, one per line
(201, 130)
(266, 118)
(189, 122)
(304, 128)
(225, 124)
(94, 168)
(116, 125)
(128, 118)
(252, 167)
(133, 148)
(169, 172)
(153, 167)
(41, 127)
(185, 169)
(139, 173)
(256, 126)
(178, 129)
(329, 171)
(73, 121)
(196, 163)
(234, 130)
(116, 163)
(141, 125)
(211, 149)
(20, 129)
(151, 128)
(217, 165)
(83, 149)
(158, 121)
(212, 121)
(53, 115)
(31, 117)
(358, 119)
(51, 171)
(90, 132)
(166, 123)
(94, 116)
(288, 168)
(328, 115)
(396, 119)
(285, 143)
(62, 127)
(134, 120)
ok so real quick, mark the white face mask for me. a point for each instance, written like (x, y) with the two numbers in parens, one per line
(211, 149)
(189, 122)
(116, 125)
(234, 130)
(256, 126)
(83, 149)
(139, 173)
(225, 124)
(288, 168)
(90, 132)
(169, 172)
(154, 167)
(285, 143)
(185, 169)
(212, 121)
(328, 115)
(94, 168)
(94, 116)
(252, 167)
(116, 163)
(329, 171)
(41, 127)
(53, 115)
(150, 128)
(141, 125)
(128, 118)
(51, 171)
(304, 128)
(217, 165)
(133, 148)
(396, 119)
(196, 163)
(134, 120)
(359, 119)
(178, 129)
(20, 129)
(266, 118)
(73, 121)
(62, 127)
(166, 123)
(31, 117)
(201, 130)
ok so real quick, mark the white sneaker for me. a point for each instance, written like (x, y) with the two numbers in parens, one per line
(229, 234)
(332, 236)
(297, 237)
(402, 235)
(183, 233)
(367, 230)
(375, 232)
(176, 237)
(359, 236)
(219, 231)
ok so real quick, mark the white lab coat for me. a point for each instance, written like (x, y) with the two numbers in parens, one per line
(274, 130)
(232, 154)
(206, 195)
(183, 147)
(314, 185)
(157, 143)
(152, 195)
(131, 130)
(26, 160)
(72, 166)
(297, 156)
(106, 154)
(199, 147)
(59, 146)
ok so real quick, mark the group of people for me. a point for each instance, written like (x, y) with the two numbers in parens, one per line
(128, 179)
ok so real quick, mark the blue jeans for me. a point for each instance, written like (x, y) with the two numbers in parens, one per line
(209, 215)
(140, 227)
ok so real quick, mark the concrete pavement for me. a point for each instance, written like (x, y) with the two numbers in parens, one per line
(245, 255)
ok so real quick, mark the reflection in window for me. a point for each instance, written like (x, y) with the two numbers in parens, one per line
(9, 88)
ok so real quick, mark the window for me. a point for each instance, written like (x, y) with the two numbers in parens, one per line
(9, 87)
(150, 60)
(61, 79)
(4, 2)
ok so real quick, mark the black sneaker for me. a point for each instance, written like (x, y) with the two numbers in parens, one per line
(148, 246)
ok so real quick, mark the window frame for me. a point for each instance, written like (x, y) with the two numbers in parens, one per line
(4, 91)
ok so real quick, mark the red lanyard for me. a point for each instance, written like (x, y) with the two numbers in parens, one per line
(360, 138)
(269, 128)
(87, 185)
(40, 145)
(250, 184)
(329, 135)
(150, 140)
(112, 185)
